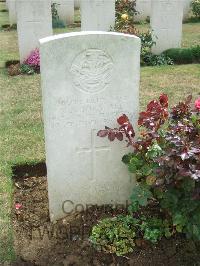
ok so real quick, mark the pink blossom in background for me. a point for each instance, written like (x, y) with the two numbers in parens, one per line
(34, 58)
(197, 104)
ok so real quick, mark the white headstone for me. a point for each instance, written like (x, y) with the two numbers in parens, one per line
(144, 9)
(97, 15)
(77, 3)
(166, 23)
(11, 4)
(65, 10)
(91, 79)
(186, 9)
(34, 21)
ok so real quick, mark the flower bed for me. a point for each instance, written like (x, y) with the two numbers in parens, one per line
(166, 162)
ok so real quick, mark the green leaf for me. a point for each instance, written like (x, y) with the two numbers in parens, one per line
(167, 233)
(179, 219)
(194, 119)
(126, 158)
(135, 160)
(154, 151)
(141, 194)
(196, 232)
(146, 170)
(134, 207)
(132, 168)
(188, 184)
(179, 228)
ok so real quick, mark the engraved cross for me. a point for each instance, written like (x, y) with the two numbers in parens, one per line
(92, 150)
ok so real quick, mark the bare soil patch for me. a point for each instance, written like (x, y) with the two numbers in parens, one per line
(40, 242)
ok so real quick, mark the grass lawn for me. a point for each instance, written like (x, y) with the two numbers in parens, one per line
(21, 130)
(190, 33)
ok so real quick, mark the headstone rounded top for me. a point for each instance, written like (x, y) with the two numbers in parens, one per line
(85, 33)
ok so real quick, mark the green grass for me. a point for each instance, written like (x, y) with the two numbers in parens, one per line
(21, 139)
(21, 130)
(176, 81)
(3, 15)
(190, 33)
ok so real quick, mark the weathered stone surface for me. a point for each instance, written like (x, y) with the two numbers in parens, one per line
(65, 10)
(186, 9)
(77, 3)
(97, 15)
(11, 4)
(166, 22)
(34, 21)
(144, 9)
(88, 80)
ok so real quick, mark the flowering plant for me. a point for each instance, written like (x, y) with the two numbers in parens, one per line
(125, 12)
(197, 104)
(166, 160)
(33, 60)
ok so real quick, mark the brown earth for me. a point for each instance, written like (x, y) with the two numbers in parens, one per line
(39, 242)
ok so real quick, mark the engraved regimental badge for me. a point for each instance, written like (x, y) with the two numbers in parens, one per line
(91, 70)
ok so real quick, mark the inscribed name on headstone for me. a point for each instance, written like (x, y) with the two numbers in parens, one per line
(97, 15)
(88, 81)
(34, 21)
(166, 23)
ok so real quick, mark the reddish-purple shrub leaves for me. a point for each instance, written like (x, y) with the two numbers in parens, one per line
(182, 109)
(156, 113)
(122, 120)
(102, 133)
(166, 160)
(164, 100)
(125, 129)
(111, 135)
(119, 136)
(180, 139)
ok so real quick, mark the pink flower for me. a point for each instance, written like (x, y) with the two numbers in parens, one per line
(33, 59)
(197, 104)
(18, 206)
